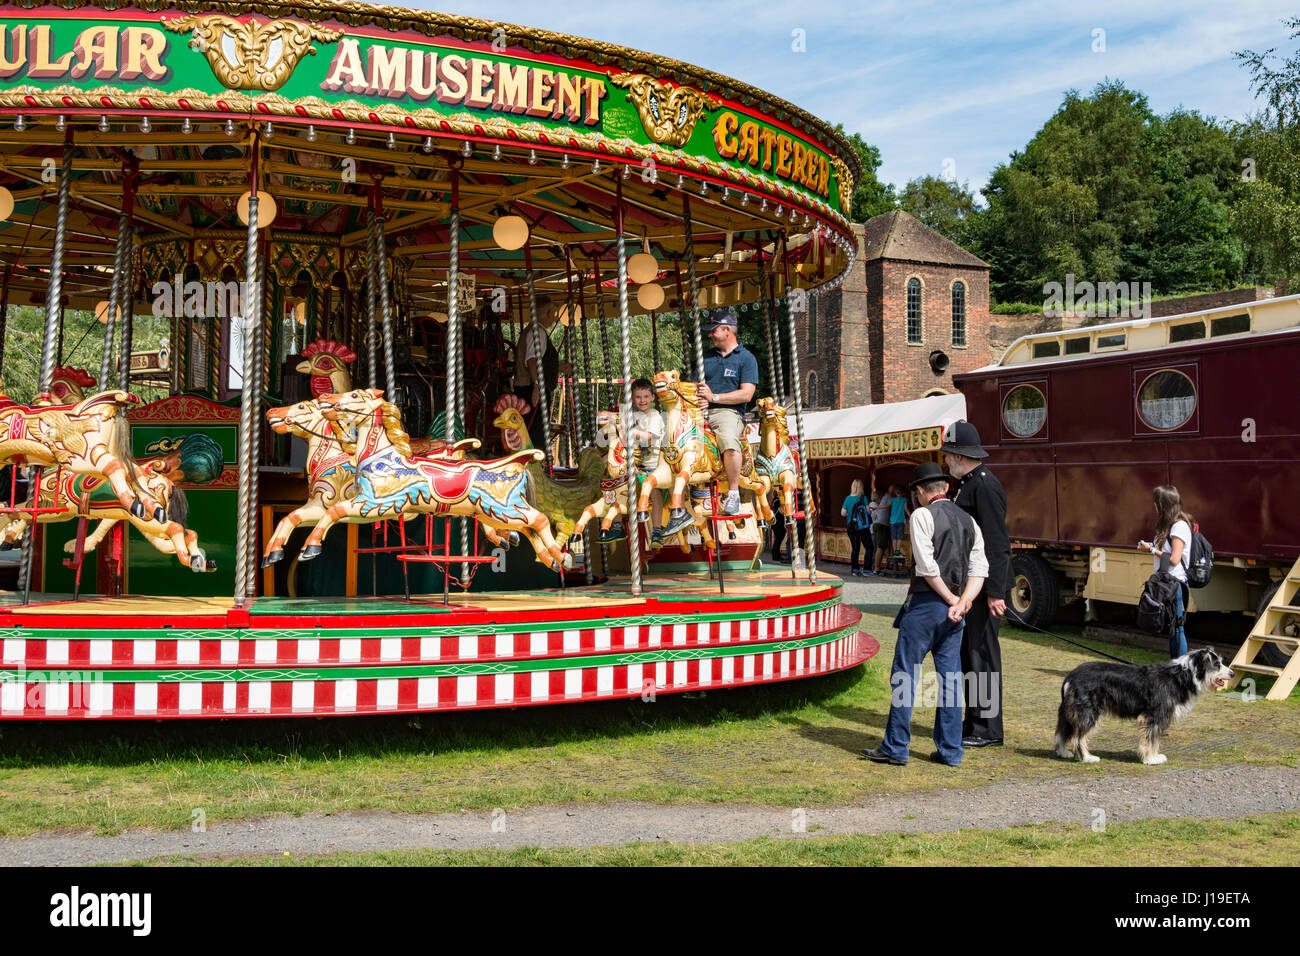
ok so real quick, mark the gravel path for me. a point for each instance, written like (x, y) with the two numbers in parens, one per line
(1221, 793)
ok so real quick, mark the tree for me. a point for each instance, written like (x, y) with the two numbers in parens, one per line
(942, 204)
(1266, 215)
(1109, 191)
(871, 197)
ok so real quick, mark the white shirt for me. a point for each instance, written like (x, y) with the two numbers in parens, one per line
(922, 527)
(1183, 532)
(533, 347)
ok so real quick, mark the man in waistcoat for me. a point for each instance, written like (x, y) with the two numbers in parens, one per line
(948, 572)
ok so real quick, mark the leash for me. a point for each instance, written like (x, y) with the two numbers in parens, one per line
(1016, 622)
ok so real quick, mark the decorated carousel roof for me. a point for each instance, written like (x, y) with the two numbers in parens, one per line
(347, 106)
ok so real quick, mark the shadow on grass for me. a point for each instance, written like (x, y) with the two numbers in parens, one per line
(125, 743)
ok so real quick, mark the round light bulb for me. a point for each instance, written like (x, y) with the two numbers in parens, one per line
(101, 312)
(265, 208)
(642, 267)
(650, 296)
(6, 203)
(510, 232)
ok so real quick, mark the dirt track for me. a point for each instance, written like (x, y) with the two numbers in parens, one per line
(1220, 793)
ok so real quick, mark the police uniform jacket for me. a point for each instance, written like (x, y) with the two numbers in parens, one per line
(982, 497)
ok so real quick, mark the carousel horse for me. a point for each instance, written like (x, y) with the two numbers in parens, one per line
(88, 438)
(90, 496)
(776, 457)
(391, 483)
(613, 503)
(691, 456)
(331, 474)
(561, 501)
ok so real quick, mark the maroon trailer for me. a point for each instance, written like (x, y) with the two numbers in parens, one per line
(1080, 425)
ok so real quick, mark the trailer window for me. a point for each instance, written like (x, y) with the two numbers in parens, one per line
(1115, 341)
(1077, 346)
(1187, 332)
(1166, 400)
(1230, 325)
(1024, 411)
(1046, 349)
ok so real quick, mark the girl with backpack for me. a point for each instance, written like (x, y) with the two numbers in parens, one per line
(856, 510)
(1173, 539)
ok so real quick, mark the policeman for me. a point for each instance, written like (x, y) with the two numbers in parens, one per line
(981, 496)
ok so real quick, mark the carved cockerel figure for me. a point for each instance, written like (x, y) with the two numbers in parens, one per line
(327, 364)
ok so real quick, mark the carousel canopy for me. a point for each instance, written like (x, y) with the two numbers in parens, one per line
(337, 109)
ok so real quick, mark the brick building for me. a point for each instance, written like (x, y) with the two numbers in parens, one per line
(913, 310)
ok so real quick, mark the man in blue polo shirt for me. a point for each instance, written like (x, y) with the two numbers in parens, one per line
(730, 379)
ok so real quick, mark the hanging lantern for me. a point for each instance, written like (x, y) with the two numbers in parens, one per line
(6, 203)
(562, 313)
(265, 208)
(510, 232)
(642, 267)
(101, 312)
(650, 296)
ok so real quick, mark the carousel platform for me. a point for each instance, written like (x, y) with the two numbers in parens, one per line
(178, 657)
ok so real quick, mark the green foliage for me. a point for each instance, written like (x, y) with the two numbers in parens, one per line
(942, 204)
(1110, 191)
(1267, 212)
(871, 197)
(83, 347)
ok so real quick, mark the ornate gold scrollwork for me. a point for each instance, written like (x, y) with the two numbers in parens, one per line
(250, 56)
(668, 113)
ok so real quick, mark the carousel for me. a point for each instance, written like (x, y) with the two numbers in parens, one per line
(389, 270)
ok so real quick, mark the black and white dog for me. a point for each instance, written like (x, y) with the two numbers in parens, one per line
(1154, 694)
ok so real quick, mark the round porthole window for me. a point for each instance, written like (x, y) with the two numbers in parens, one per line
(1166, 400)
(1024, 411)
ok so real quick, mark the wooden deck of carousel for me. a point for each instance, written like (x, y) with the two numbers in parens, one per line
(166, 657)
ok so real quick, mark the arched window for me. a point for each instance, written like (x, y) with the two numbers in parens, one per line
(811, 401)
(959, 314)
(914, 311)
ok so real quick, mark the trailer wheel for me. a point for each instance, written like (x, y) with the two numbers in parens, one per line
(1034, 594)
(1272, 654)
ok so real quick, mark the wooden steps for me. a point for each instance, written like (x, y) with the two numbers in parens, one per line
(1265, 632)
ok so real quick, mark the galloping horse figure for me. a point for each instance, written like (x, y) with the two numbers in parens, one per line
(615, 487)
(88, 438)
(331, 474)
(90, 496)
(776, 459)
(390, 483)
(690, 454)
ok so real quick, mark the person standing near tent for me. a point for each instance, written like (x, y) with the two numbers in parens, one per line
(856, 512)
(982, 497)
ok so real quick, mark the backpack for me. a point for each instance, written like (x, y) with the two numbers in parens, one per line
(1201, 560)
(861, 515)
(1157, 607)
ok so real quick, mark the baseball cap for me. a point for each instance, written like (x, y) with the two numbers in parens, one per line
(721, 317)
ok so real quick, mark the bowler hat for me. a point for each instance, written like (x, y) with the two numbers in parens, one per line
(927, 471)
(963, 439)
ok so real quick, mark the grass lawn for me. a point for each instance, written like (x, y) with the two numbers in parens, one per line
(1264, 840)
(792, 744)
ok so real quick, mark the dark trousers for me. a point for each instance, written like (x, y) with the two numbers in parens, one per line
(981, 662)
(859, 540)
(778, 535)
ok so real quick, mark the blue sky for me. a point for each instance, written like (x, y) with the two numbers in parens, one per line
(940, 87)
